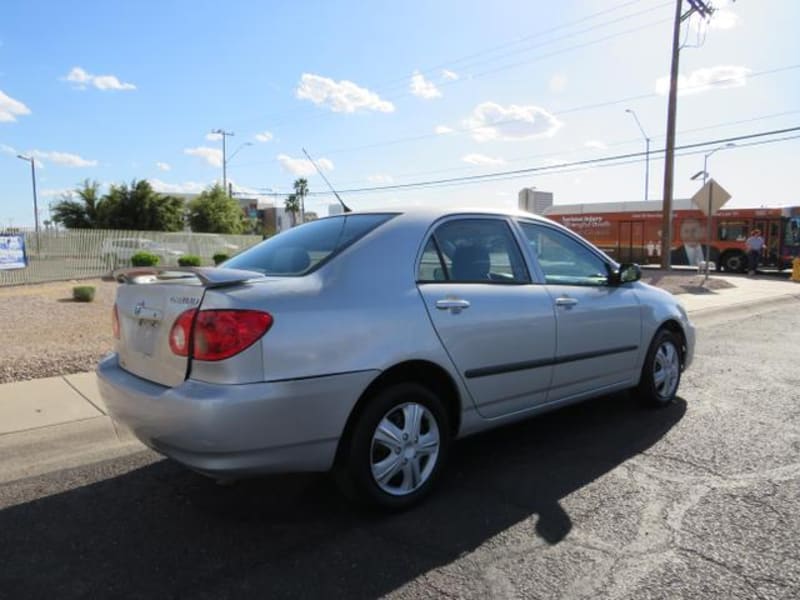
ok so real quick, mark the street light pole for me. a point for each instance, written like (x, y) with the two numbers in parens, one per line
(31, 160)
(224, 135)
(647, 153)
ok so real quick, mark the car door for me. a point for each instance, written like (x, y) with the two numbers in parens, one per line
(598, 325)
(497, 327)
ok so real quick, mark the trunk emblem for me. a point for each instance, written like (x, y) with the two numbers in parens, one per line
(137, 310)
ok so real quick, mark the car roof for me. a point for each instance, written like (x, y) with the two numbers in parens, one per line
(433, 213)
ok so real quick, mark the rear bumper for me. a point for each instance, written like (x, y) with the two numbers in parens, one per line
(235, 430)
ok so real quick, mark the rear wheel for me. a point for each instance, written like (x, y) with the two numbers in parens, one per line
(734, 262)
(397, 447)
(661, 373)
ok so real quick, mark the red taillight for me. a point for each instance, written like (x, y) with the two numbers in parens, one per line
(217, 334)
(181, 333)
(115, 321)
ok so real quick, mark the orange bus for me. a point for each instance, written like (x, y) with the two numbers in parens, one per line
(631, 232)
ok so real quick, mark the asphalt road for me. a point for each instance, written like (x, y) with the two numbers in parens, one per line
(602, 500)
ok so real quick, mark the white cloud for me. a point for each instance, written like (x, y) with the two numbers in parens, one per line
(213, 137)
(162, 166)
(264, 136)
(380, 179)
(596, 144)
(7, 149)
(212, 156)
(422, 88)
(54, 192)
(81, 79)
(10, 109)
(703, 80)
(482, 160)
(188, 187)
(340, 96)
(302, 166)
(490, 121)
(449, 75)
(720, 19)
(557, 83)
(443, 129)
(64, 158)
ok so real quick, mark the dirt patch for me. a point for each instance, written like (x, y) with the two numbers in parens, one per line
(688, 282)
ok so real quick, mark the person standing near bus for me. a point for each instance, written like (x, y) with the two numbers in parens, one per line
(754, 245)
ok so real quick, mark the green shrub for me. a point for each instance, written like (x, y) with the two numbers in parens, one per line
(189, 260)
(83, 293)
(220, 257)
(145, 259)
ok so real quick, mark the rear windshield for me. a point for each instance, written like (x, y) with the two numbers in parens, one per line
(300, 250)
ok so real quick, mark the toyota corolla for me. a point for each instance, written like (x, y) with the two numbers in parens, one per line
(366, 343)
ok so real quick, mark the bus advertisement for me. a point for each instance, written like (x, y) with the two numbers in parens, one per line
(631, 232)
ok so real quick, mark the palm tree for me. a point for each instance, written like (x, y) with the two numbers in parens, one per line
(292, 206)
(80, 213)
(301, 191)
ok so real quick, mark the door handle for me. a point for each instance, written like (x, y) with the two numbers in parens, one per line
(566, 301)
(454, 304)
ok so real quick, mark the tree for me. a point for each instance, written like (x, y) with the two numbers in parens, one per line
(292, 206)
(80, 213)
(213, 211)
(301, 191)
(140, 207)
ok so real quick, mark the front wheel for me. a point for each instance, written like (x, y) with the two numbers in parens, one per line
(661, 372)
(397, 448)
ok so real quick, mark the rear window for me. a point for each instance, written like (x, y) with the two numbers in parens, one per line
(302, 249)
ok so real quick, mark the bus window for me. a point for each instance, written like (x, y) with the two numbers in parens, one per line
(732, 231)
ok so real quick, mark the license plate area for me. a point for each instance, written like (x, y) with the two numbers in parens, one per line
(147, 333)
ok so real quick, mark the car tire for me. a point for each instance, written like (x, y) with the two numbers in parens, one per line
(661, 372)
(396, 449)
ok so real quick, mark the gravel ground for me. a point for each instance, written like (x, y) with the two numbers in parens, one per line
(47, 334)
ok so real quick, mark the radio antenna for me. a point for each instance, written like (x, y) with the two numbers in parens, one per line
(345, 208)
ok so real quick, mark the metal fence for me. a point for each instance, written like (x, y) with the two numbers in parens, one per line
(64, 254)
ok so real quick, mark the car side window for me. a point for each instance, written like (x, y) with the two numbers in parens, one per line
(472, 251)
(564, 260)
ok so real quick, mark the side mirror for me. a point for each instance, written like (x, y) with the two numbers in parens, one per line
(625, 273)
(629, 272)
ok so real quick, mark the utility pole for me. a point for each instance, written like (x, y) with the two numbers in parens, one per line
(705, 11)
(32, 160)
(224, 135)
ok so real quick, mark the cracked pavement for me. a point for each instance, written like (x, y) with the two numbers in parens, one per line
(602, 500)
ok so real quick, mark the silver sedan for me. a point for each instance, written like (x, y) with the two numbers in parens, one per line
(365, 343)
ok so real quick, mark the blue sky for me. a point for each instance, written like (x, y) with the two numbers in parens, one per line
(388, 93)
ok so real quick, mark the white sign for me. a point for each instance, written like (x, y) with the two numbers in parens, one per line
(711, 193)
(12, 252)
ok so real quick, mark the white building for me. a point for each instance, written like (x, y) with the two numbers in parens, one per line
(534, 201)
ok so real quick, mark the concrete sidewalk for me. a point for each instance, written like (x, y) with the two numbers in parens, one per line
(71, 405)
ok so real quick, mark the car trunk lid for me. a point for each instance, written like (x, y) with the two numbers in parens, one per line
(148, 303)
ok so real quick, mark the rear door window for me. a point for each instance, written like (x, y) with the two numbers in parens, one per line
(300, 250)
(472, 250)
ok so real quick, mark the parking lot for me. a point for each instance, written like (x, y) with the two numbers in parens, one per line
(605, 499)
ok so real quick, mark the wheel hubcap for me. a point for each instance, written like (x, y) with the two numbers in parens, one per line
(405, 447)
(666, 370)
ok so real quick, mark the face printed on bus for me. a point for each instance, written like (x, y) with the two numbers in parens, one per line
(692, 233)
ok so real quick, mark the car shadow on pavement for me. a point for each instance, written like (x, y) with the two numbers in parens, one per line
(151, 528)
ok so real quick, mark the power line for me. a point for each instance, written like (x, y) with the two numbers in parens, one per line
(528, 49)
(575, 109)
(499, 175)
